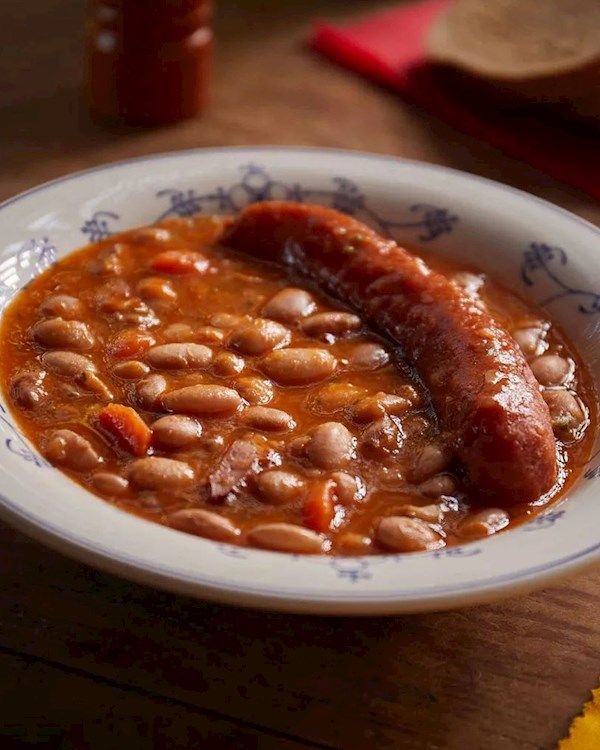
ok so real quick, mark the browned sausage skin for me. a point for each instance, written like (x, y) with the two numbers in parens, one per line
(485, 395)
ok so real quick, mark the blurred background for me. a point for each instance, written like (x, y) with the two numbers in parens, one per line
(268, 87)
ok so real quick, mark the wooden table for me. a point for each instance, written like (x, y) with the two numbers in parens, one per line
(91, 661)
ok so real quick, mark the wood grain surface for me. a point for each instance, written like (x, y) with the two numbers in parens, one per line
(90, 661)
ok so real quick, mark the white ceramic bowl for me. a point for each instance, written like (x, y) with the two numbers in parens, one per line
(539, 250)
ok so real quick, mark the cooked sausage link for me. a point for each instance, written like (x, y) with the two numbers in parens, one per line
(550, 369)
(330, 324)
(500, 426)
(285, 537)
(331, 446)
(299, 366)
(402, 534)
(67, 448)
(176, 431)
(278, 487)
(133, 369)
(58, 333)
(149, 390)
(267, 419)
(203, 400)
(289, 305)
(484, 523)
(27, 390)
(259, 337)
(154, 473)
(179, 356)
(67, 363)
(204, 523)
(368, 356)
(61, 306)
(255, 390)
(110, 484)
(228, 364)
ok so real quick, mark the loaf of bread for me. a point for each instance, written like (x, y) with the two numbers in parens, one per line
(541, 51)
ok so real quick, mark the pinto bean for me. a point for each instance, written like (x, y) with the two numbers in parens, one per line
(209, 335)
(176, 431)
(58, 333)
(67, 448)
(568, 414)
(354, 544)
(430, 460)
(67, 363)
(331, 446)
(133, 369)
(368, 356)
(402, 534)
(27, 389)
(255, 390)
(149, 390)
(228, 364)
(203, 400)
(484, 523)
(109, 261)
(438, 485)
(429, 513)
(285, 537)
(259, 337)
(382, 438)
(289, 305)
(113, 296)
(348, 488)
(155, 288)
(267, 419)
(530, 340)
(178, 332)
(550, 369)
(61, 306)
(110, 484)
(299, 366)
(326, 325)
(154, 473)
(227, 320)
(179, 356)
(375, 407)
(278, 487)
(91, 382)
(335, 396)
(204, 523)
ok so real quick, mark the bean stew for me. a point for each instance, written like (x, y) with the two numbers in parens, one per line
(233, 398)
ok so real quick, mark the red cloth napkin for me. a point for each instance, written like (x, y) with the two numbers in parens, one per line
(389, 47)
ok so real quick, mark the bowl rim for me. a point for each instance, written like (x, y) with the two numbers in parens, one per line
(116, 561)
